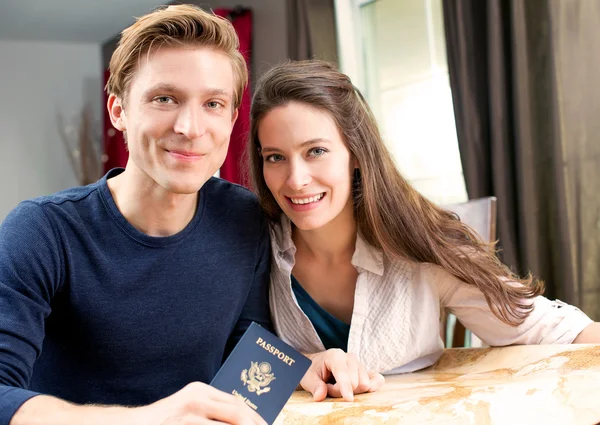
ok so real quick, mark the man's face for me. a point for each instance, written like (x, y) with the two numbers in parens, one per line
(178, 117)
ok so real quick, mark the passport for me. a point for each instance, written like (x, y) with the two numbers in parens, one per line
(263, 371)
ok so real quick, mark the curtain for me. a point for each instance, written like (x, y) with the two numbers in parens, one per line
(311, 30)
(524, 94)
(575, 31)
(232, 169)
(115, 150)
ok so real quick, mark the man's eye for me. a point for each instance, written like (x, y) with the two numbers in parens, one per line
(163, 99)
(213, 105)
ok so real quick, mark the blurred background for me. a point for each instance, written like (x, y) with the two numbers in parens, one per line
(474, 98)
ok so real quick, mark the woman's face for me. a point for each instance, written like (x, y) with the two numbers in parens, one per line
(307, 166)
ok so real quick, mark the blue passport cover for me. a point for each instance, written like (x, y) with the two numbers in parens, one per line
(263, 371)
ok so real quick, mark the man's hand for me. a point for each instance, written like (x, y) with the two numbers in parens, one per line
(196, 403)
(351, 376)
(200, 403)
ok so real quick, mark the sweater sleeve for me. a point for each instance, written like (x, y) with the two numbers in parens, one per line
(256, 307)
(30, 270)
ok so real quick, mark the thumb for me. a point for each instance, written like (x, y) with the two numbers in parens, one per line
(320, 391)
(313, 383)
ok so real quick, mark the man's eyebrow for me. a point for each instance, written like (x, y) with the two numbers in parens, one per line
(170, 88)
(218, 92)
(310, 142)
(163, 87)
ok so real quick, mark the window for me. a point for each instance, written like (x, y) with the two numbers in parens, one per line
(395, 53)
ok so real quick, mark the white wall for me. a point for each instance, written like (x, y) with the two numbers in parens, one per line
(37, 80)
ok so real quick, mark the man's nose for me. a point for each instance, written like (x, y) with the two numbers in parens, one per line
(190, 122)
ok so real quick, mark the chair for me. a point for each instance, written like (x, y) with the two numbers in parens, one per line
(480, 215)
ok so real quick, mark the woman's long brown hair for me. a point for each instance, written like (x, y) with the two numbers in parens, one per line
(391, 215)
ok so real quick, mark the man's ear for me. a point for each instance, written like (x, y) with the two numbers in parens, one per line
(116, 112)
(234, 116)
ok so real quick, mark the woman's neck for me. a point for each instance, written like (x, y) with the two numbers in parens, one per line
(332, 243)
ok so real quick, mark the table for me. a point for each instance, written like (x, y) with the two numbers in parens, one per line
(551, 384)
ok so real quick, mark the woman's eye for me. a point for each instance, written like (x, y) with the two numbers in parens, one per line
(317, 151)
(274, 158)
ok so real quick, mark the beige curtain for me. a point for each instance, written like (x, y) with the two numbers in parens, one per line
(311, 30)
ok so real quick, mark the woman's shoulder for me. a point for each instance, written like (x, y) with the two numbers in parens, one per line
(281, 234)
(421, 277)
(282, 248)
(432, 274)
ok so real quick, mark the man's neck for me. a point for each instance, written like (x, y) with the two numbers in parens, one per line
(150, 208)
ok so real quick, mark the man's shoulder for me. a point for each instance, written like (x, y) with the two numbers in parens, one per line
(230, 194)
(70, 195)
(41, 207)
(234, 208)
(34, 222)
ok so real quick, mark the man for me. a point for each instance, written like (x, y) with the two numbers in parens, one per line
(132, 291)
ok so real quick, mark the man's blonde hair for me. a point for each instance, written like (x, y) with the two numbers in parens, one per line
(180, 25)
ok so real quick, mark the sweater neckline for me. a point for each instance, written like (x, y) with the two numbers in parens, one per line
(131, 231)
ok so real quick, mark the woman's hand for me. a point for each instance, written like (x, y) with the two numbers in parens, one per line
(351, 376)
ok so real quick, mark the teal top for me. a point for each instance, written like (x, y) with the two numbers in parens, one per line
(332, 331)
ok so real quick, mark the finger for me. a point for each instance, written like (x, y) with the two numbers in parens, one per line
(336, 362)
(233, 413)
(200, 390)
(377, 381)
(364, 381)
(320, 392)
(236, 405)
(312, 381)
(353, 370)
(334, 390)
(204, 421)
(221, 406)
(343, 383)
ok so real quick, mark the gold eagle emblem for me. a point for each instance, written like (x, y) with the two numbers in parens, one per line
(258, 377)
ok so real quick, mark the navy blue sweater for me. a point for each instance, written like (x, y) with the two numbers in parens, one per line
(94, 311)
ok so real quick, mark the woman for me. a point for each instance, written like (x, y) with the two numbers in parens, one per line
(361, 261)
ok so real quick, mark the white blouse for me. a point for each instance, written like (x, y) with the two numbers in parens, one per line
(395, 324)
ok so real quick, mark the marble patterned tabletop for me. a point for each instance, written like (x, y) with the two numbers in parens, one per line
(550, 384)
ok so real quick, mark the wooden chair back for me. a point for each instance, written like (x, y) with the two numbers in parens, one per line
(480, 215)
